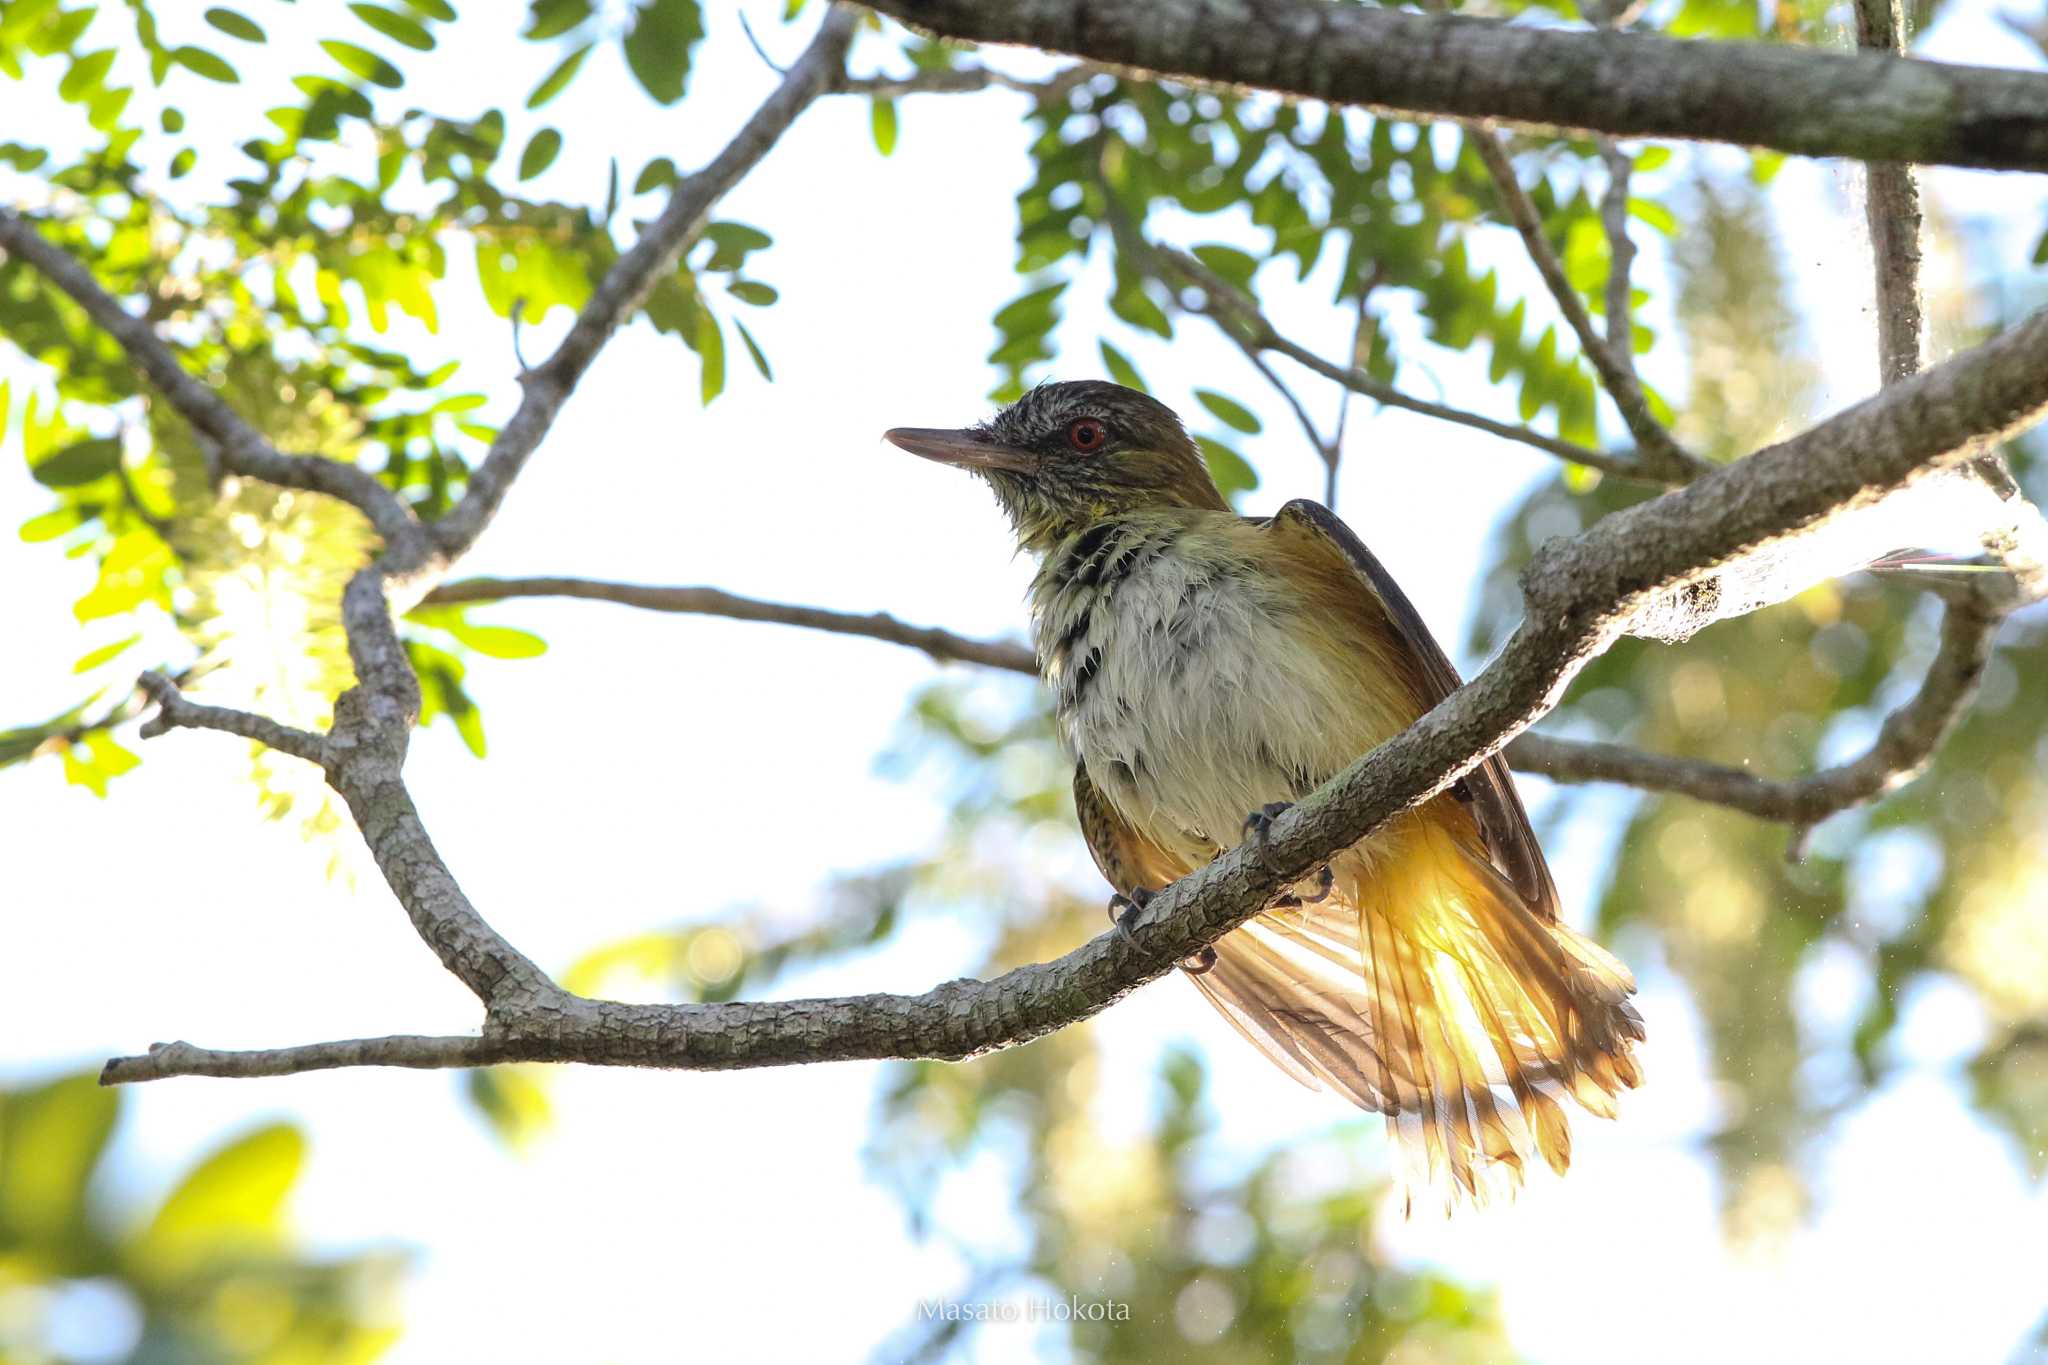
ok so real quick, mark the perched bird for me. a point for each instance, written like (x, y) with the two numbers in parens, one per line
(1207, 669)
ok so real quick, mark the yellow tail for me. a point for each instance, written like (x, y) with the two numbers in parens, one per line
(1423, 987)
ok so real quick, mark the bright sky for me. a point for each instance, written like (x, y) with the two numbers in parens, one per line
(729, 1216)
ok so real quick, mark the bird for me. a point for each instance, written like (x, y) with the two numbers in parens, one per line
(1207, 670)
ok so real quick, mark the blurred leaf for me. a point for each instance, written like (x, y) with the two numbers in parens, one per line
(882, 121)
(80, 463)
(399, 28)
(659, 43)
(200, 62)
(230, 1205)
(540, 153)
(557, 80)
(51, 1137)
(235, 24)
(363, 63)
(1228, 411)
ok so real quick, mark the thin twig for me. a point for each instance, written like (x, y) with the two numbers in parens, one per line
(939, 644)
(1225, 302)
(175, 712)
(1657, 446)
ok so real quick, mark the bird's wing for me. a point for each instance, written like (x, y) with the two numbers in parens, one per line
(1128, 860)
(1503, 823)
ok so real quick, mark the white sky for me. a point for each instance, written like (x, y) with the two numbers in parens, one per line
(729, 1216)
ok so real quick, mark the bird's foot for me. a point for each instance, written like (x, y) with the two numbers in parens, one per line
(1258, 825)
(1325, 880)
(1122, 908)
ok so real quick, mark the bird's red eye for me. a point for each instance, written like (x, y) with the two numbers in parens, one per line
(1087, 434)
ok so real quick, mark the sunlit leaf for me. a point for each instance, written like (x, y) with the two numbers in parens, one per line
(882, 123)
(556, 81)
(231, 1204)
(399, 28)
(363, 63)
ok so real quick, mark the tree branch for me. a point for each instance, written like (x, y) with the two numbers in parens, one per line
(1907, 741)
(1866, 105)
(939, 644)
(174, 712)
(1241, 318)
(409, 1050)
(1581, 594)
(238, 447)
(1617, 374)
(1892, 208)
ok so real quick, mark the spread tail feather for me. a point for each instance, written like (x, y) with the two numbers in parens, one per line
(1424, 988)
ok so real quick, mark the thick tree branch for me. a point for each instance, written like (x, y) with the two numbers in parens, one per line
(1866, 105)
(548, 385)
(238, 447)
(1622, 575)
(939, 644)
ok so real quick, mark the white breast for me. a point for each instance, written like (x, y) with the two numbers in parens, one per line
(1181, 688)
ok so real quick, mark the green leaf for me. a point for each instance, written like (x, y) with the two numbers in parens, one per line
(658, 46)
(88, 662)
(1651, 158)
(24, 158)
(80, 463)
(498, 642)
(52, 524)
(553, 18)
(1233, 265)
(86, 75)
(439, 10)
(1229, 411)
(711, 347)
(235, 25)
(656, 173)
(51, 1138)
(540, 153)
(1121, 369)
(231, 1205)
(399, 28)
(363, 63)
(1655, 214)
(754, 350)
(558, 80)
(200, 62)
(1232, 473)
(882, 120)
(752, 291)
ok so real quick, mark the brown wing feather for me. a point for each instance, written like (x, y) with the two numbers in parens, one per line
(1495, 804)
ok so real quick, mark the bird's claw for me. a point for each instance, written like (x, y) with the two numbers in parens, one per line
(1122, 907)
(1325, 880)
(1260, 822)
(1258, 825)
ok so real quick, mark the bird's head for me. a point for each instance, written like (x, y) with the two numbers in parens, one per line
(1066, 456)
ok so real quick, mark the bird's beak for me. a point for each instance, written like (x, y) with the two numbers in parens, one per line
(967, 449)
